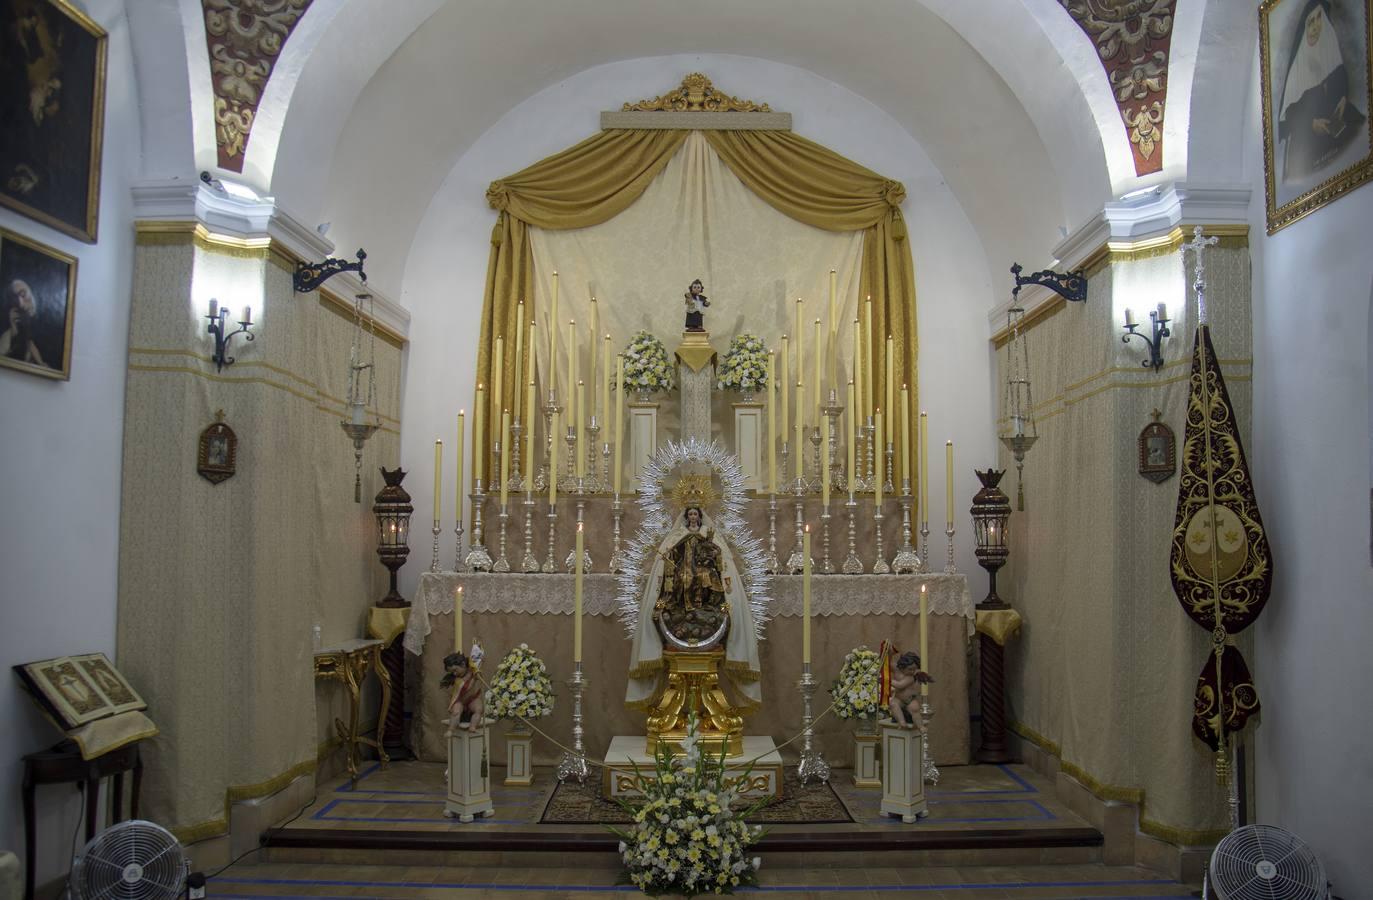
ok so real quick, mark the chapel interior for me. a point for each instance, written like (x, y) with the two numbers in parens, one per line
(459, 238)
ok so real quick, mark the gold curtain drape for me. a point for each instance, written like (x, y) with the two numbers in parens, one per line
(595, 180)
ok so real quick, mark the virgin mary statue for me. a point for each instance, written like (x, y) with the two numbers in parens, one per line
(693, 600)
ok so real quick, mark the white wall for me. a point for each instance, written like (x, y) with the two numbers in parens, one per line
(1311, 462)
(446, 268)
(62, 449)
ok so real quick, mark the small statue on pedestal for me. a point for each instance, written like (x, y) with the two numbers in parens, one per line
(696, 304)
(903, 688)
(467, 706)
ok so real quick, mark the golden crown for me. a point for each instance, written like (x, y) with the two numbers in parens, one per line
(694, 489)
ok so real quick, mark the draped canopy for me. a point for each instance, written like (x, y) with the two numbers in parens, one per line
(595, 180)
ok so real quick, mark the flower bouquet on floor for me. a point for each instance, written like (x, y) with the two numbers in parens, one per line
(520, 690)
(857, 693)
(687, 838)
(745, 366)
(647, 367)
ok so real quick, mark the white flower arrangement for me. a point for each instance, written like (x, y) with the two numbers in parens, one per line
(647, 368)
(745, 366)
(686, 838)
(856, 689)
(520, 687)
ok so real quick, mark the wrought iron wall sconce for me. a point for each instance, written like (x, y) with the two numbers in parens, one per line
(1070, 286)
(1158, 322)
(309, 276)
(219, 319)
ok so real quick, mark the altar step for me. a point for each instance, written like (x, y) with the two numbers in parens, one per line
(596, 847)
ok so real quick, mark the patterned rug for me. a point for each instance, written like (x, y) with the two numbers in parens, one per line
(810, 804)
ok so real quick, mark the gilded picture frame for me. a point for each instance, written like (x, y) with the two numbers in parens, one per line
(52, 111)
(1316, 72)
(37, 306)
(217, 452)
(1158, 452)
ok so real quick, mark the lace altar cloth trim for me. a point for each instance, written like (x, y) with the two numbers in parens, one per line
(833, 595)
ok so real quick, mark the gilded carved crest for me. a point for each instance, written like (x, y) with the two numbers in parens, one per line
(696, 94)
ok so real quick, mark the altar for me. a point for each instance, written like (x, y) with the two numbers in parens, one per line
(503, 610)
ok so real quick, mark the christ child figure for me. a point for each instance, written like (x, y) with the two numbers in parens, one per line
(466, 707)
(906, 678)
(696, 304)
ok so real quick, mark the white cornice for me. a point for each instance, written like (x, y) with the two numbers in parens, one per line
(1126, 221)
(261, 219)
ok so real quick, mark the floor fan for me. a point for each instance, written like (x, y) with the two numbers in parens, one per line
(1263, 862)
(135, 860)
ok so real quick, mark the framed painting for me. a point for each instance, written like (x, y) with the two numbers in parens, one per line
(1317, 78)
(217, 453)
(52, 110)
(37, 306)
(1157, 451)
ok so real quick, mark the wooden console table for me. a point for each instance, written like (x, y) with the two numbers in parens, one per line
(349, 663)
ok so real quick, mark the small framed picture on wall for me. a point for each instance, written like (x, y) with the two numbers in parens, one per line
(37, 306)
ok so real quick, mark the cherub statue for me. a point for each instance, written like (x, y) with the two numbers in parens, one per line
(467, 705)
(906, 678)
(696, 304)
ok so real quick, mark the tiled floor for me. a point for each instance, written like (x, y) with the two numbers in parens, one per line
(926, 883)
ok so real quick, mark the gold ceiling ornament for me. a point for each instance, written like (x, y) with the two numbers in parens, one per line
(695, 94)
(694, 489)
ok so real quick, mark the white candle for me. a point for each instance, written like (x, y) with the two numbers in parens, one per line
(851, 442)
(498, 378)
(772, 421)
(457, 482)
(553, 475)
(529, 438)
(805, 596)
(438, 481)
(603, 412)
(890, 405)
(1129, 316)
(553, 339)
(505, 456)
(786, 395)
(577, 599)
(924, 637)
(867, 360)
(571, 358)
(478, 455)
(818, 370)
(457, 619)
(855, 411)
(948, 463)
(924, 466)
(519, 356)
(581, 429)
(619, 416)
(878, 476)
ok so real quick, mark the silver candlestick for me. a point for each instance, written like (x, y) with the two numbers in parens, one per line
(786, 458)
(568, 480)
(434, 566)
(906, 561)
(571, 561)
(796, 561)
(458, 564)
(549, 566)
(929, 772)
(516, 482)
(879, 564)
(949, 568)
(592, 479)
(547, 460)
(832, 410)
(826, 564)
(770, 561)
(478, 560)
(870, 440)
(573, 763)
(852, 564)
(617, 556)
(925, 547)
(529, 562)
(606, 482)
(812, 764)
(816, 483)
(887, 485)
(502, 564)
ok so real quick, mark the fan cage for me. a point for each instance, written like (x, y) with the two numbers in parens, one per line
(1263, 862)
(133, 860)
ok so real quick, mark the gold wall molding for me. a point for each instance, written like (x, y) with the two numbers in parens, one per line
(696, 104)
(1112, 252)
(696, 93)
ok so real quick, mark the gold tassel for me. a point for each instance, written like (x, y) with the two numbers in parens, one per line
(497, 232)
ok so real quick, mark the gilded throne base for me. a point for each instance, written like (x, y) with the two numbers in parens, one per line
(693, 685)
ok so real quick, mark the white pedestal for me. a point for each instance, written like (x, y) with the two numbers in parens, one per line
(748, 442)
(867, 772)
(643, 438)
(628, 751)
(519, 756)
(469, 788)
(903, 788)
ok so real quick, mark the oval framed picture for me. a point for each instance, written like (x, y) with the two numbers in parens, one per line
(1157, 451)
(217, 456)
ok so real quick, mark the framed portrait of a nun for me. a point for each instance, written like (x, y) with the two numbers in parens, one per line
(1317, 93)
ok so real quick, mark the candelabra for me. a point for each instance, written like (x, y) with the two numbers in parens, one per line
(549, 566)
(529, 562)
(832, 411)
(812, 764)
(568, 480)
(502, 564)
(547, 460)
(516, 482)
(573, 762)
(949, 568)
(852, 564)
(826, 564)
(879, 564)
(929, 772)
(816, 483)
(796, 561)
(924, 547)
(592, 479)
(478, 560)
(887, 484)
(434, 565)
(617, 557)
(770, 561)
(459, 565)
(581, 514)
(905, 562)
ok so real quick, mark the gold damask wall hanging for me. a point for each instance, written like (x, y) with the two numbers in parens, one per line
(1132, 39)
(244, 39)
(1221, 565)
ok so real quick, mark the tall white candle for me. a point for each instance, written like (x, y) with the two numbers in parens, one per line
(772, 421)
(457, 481)
(924, 637)
(505, 456)
(457, 620)
(868, 385)
(519, 357)
(577, 598)
(581, 429)
(948, 484)
(498, 378)
(818, 370)
(619, 416)
(924, 466)
(785, 380)
(805, 596)
(438, 481)
(478, 439)
(878, 475)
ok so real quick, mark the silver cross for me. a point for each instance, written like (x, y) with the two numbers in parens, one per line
(1199, 281)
